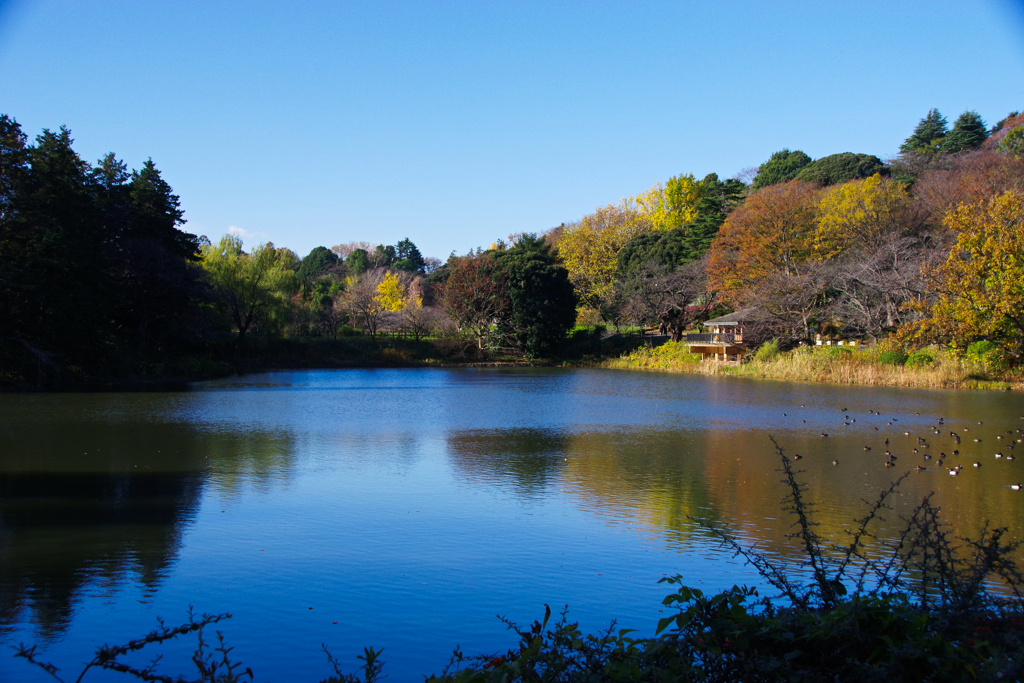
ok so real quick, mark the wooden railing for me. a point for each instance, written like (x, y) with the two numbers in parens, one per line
(714, 338)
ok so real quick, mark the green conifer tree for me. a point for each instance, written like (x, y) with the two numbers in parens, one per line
(968, 133)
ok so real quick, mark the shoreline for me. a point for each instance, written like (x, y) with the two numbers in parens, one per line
(816, 365)
(805, 364)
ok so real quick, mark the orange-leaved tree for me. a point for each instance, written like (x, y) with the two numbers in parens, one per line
(772, 233)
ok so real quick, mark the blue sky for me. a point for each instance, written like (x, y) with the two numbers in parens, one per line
(456, 123)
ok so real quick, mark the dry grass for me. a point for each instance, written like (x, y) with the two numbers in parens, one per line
(833, 365)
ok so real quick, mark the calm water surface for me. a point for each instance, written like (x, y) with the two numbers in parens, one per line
(404, 509)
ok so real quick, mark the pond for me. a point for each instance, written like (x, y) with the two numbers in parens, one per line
(405, 509)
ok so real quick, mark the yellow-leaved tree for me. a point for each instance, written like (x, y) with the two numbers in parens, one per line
(862, 213)
(391, 293)
(590, 247)
(980, 287)
(682, 195)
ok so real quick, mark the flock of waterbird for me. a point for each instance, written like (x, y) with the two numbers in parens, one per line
(1005, 442)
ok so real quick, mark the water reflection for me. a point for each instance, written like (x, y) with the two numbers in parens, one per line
(97, 490)
(61, 532)
(527, 459)
(431, 492)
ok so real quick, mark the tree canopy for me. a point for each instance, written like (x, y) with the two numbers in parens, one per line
(315, 263)
(780, 167)
(980, 286)
(862, 214)
(928, 134)
(408, 257)
(252, 288)
(542, 302)
(358, 261)
(772, 232)
(968, 133)
(94, 270)
(841, 168)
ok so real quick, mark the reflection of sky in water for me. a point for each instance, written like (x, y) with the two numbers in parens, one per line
(411, 506)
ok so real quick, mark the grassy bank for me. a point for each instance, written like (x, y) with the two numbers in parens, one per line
(931, 368)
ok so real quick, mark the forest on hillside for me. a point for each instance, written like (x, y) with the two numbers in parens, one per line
(98, 281)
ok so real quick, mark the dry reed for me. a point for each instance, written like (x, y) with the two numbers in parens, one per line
(834, 365)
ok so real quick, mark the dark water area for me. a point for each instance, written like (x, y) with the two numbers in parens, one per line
(405, 509)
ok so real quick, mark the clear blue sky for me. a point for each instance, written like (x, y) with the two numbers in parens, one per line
(455, 123)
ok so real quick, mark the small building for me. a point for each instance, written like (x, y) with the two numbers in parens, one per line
(723, 340)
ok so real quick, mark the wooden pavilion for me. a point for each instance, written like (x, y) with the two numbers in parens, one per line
(723, 340)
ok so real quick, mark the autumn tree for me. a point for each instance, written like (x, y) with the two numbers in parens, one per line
(391, 293)
(590, 247)
(772, 232)
(674, 297)
(864, 214)
(361, 300)
(345, 249)
(980, 287)
(682, 194)
(431, 264)
(475, 296)
(872, 284)
(789, 303)
(969, 178)
(417, 319)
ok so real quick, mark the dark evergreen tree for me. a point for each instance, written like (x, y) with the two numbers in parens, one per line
(543, 301)
(358, 262)
(718, 198)
(927, 136)
(157, 214)
(156, 261)
(840, 168)
(636, 252)
(781, 167)
(13, 165)
(92, 263)
(408, 257)
(968, 133)
(55, 259)
(315, 263)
